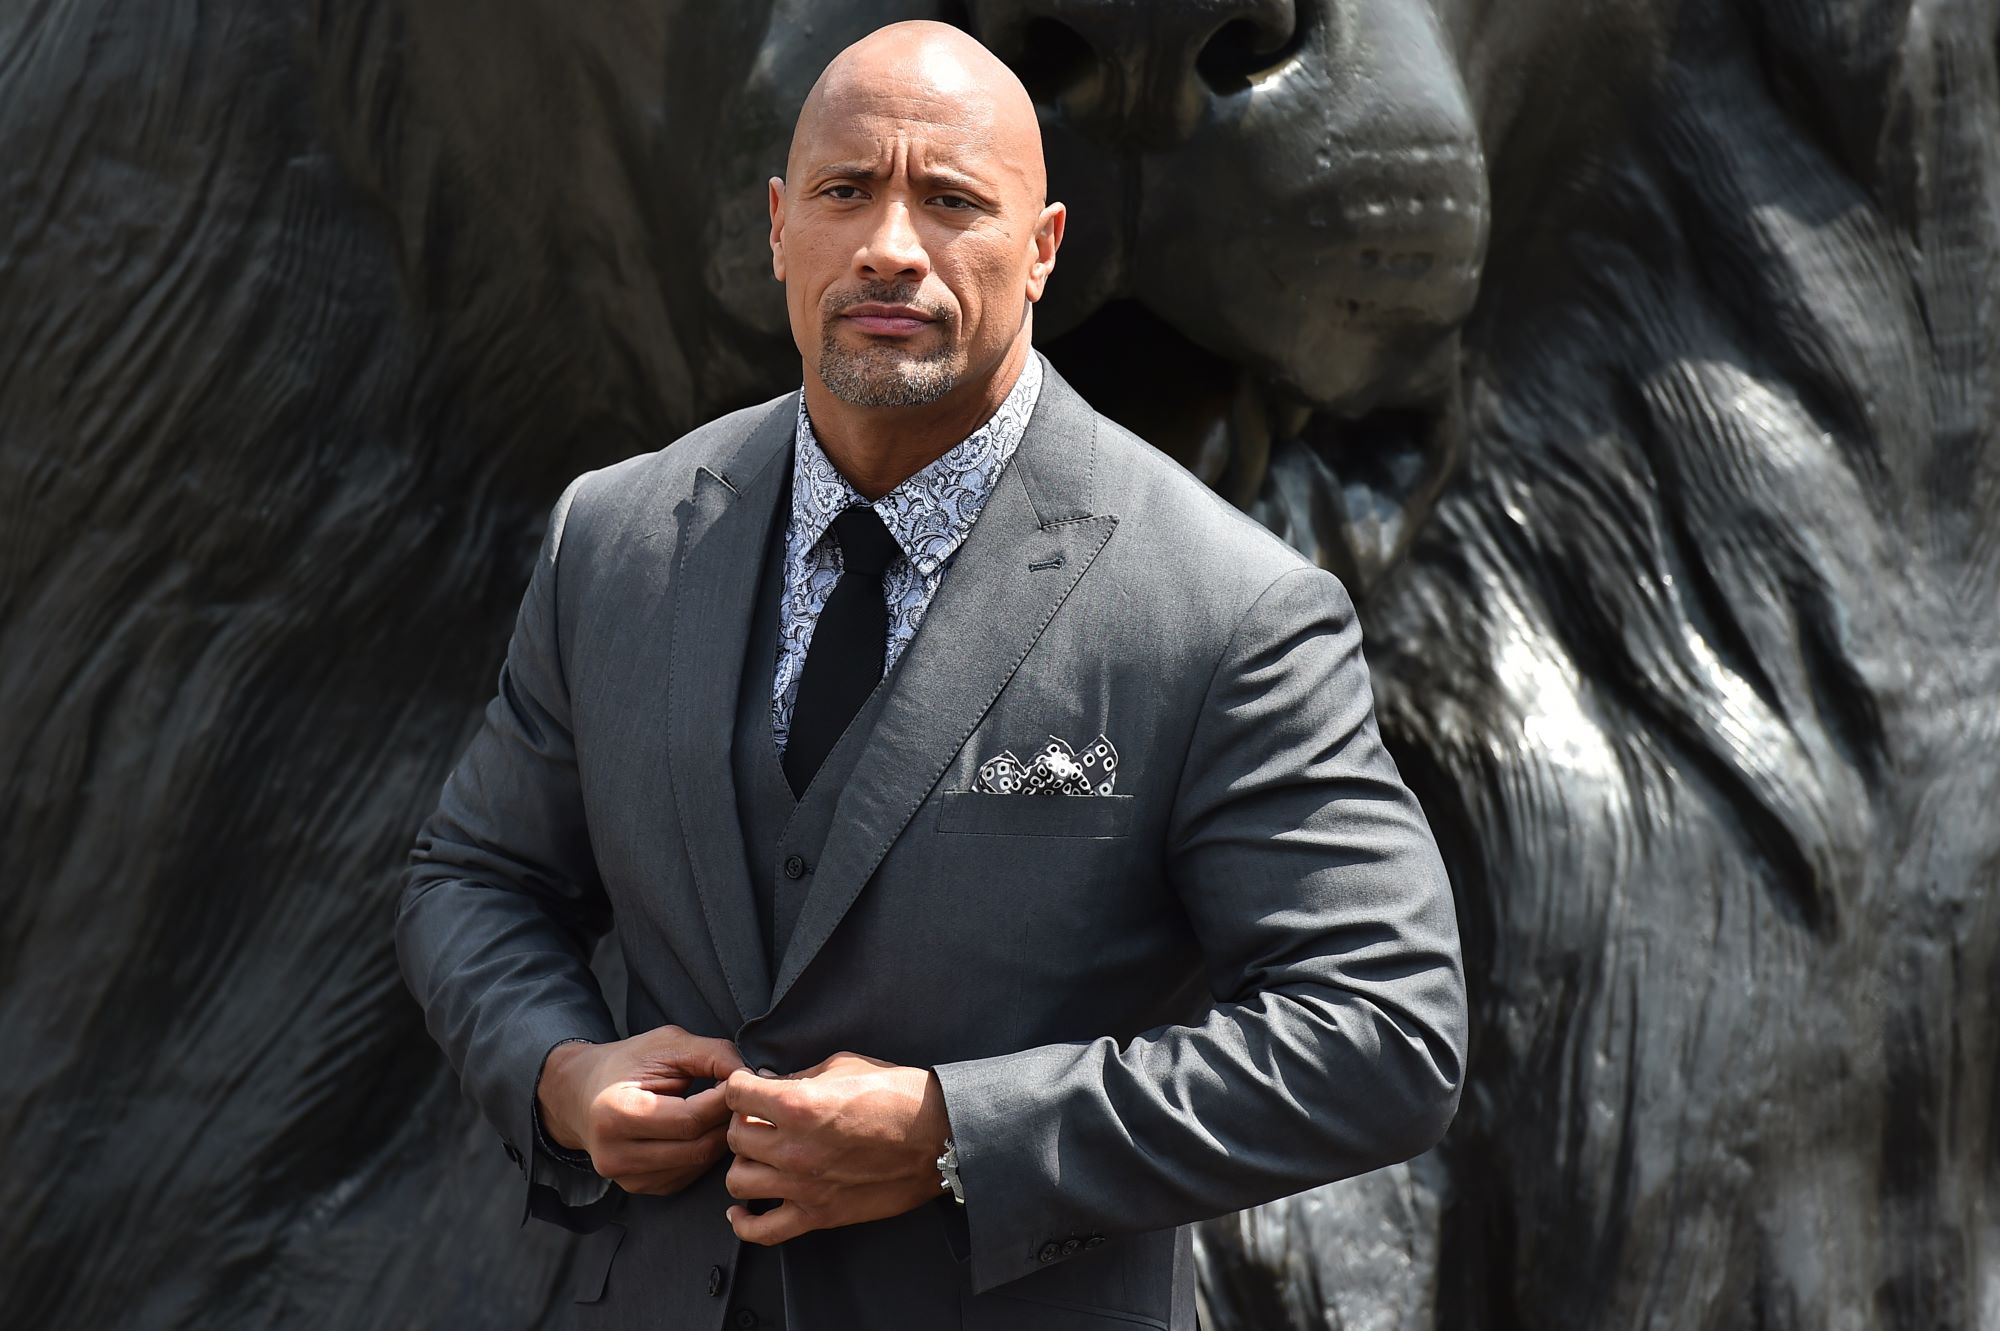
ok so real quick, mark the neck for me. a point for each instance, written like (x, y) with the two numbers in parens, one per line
(878, 448)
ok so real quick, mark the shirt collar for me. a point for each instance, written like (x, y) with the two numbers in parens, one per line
(931, 511)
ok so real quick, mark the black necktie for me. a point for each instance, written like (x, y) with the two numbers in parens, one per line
(849, 643)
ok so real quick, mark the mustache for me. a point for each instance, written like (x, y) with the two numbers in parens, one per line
(885, 293)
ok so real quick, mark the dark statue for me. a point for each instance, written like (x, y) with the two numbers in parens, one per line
(1635, 363)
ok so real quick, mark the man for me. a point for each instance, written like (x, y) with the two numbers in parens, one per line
(994, 823)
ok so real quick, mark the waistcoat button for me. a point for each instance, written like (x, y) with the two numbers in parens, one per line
(714, 1281)
(794, 867)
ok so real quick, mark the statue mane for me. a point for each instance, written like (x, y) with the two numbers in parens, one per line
(1694, 671)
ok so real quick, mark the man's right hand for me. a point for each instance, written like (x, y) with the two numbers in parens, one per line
(625, 1104)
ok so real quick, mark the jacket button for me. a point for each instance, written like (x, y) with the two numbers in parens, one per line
(1094, 1241)
(1049, 1252)
(1071, 1247)
(714, 1281)
(794, 867)
(745, 1318)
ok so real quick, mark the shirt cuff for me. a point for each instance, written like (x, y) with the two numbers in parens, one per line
(577, 1182)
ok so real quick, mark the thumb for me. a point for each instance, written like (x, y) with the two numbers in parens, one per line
(678, 1052)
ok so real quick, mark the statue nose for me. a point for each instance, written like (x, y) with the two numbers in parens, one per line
(1140, 70)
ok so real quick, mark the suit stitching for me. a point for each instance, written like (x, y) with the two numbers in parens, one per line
(673, 693)
(1090, 465)
(1089, 489)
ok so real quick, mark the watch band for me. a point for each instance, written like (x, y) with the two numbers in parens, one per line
(947, 1165)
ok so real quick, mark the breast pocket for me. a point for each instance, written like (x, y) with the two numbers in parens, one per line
(978, 813)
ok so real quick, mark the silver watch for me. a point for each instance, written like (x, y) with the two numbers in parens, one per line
(947, 1165)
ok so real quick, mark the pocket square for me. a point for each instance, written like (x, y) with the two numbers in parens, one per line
(1056, 769)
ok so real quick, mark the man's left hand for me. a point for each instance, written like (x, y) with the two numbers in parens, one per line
(848, 1140)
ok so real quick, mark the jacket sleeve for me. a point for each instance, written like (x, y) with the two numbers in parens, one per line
(502, 902)
(1336, 1041)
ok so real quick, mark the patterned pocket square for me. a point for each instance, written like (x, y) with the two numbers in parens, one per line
(1056, 769)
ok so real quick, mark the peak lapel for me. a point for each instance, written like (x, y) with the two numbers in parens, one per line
(1029, 547)
(722, 542)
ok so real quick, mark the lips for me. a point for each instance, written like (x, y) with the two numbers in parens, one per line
(886, 320)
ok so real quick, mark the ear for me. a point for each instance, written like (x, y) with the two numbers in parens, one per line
(1046, 240)
(777, 188)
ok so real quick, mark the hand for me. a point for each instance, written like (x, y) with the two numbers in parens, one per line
(625, 1103)
(849, 1140)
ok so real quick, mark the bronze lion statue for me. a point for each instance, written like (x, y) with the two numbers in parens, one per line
(1637, 364)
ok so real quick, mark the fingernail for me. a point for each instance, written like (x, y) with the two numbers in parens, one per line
(766, 1072)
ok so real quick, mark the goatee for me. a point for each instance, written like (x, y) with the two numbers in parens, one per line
(884, 377)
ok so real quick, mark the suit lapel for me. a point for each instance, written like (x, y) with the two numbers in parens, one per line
(722, 542)
(1029, 547)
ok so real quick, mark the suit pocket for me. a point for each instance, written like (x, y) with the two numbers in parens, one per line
(592, 1263)
(982, 814)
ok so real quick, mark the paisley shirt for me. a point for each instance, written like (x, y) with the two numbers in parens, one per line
(928, 514)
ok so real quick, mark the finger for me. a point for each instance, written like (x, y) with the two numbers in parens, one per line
(672, 1117)
(676, 1051)
(754, 1140)
(708, 1107)
(624, 1159)
(768, 1098)
(663, 1085)
(774, 1226)
(752, 1179)
(762, 1072)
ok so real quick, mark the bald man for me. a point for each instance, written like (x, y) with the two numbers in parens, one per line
(993, 822)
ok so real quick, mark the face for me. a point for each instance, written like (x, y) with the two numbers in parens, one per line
(911, 242)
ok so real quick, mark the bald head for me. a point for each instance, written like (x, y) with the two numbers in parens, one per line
(938, 74)
(912, 232)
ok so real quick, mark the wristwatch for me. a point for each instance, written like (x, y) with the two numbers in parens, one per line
(947, 1165)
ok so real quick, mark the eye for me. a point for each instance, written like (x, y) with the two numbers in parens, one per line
(952, 201)
(834, 192)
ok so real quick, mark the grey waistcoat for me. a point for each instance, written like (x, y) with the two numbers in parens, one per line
(782, 836)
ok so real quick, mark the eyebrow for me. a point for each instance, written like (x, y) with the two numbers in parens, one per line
(935, 176)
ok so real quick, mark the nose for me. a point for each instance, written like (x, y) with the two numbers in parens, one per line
(1142, 72)
(892, 249)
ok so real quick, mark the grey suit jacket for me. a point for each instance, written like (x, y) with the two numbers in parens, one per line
(1235, 978)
